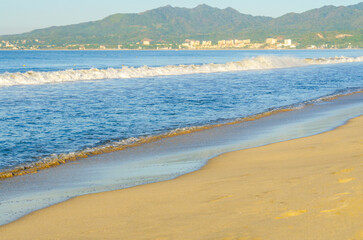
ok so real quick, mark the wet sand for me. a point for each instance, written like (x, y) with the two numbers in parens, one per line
(307, 188)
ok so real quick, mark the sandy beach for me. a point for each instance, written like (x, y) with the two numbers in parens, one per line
(307, 188)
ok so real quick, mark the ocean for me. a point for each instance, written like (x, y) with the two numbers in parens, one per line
(64, 105)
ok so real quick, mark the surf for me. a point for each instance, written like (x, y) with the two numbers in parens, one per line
(255, 63)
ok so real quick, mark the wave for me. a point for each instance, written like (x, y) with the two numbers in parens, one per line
(58, 159)
(256, 63)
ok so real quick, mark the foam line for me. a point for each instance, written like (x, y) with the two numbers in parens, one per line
(256, 63)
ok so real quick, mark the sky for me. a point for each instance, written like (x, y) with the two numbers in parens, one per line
(18, 16)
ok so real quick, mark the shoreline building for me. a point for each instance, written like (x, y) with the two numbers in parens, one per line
(271, 41)
(287, 42)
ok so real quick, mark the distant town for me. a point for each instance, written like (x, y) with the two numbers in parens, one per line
(269, 43)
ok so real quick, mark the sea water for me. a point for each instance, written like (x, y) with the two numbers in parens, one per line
(47, 108)
(55, 103)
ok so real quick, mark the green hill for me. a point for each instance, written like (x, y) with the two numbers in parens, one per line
(174, 25)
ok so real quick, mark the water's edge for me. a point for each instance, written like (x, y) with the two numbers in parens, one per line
(56, 160)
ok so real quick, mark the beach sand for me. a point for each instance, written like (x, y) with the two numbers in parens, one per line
(307, 188)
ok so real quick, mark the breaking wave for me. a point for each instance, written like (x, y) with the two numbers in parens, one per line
(256, 63)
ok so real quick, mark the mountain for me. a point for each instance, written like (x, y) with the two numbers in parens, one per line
(165, 23)
(174, 24)
(328, 18)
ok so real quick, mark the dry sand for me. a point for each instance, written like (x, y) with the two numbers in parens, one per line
(308, 188)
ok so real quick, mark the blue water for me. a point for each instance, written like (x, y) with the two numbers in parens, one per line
(38, 121)
(42, 120)
(22, 61)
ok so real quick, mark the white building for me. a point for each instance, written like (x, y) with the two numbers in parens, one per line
(230, 42)
(194, 43)
(287, 42)
(271, 41)
(221, 42)
(207, 43)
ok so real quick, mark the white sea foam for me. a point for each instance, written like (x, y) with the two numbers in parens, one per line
(256, 63)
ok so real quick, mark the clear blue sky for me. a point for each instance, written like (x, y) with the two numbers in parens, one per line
(17, 16)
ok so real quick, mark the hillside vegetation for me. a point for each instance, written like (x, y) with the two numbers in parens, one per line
(174, 25)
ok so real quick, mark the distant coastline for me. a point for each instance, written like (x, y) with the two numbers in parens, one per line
(198, 28)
